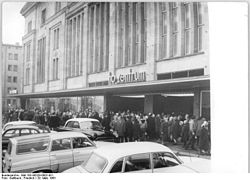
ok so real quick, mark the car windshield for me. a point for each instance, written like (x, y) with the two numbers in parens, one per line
(95, 125)
(95, 164)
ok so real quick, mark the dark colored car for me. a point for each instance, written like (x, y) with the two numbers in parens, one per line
(21, 130)
(88, 126)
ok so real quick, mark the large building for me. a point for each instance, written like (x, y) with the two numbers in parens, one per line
(148, 57)
(11, 69)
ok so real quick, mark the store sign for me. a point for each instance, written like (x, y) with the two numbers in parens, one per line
(131, 77)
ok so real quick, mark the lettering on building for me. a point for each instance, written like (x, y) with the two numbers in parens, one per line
(131, 77)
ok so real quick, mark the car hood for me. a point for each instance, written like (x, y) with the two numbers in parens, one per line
(77, 169)
(199, 165)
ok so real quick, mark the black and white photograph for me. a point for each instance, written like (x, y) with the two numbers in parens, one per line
(120, 86)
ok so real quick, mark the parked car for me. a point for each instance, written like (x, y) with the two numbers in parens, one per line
(17, 123)
(47, 153)
(21, 130)
(137, 157)
(90, 127)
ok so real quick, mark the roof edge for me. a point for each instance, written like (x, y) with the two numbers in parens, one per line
(27, 6)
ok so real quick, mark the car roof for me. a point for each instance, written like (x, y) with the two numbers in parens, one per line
(54, 135)
(120, 150)
(22, 127)
(82, 119)
(20, 122)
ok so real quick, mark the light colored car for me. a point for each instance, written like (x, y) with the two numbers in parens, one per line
(89, 126)
(17, 123)
(137, 157)
(52, 152)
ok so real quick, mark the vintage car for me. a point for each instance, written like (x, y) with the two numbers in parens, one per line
(88, 126)
(17, 123)
(138, 157)
(47, 153)
(21, 130)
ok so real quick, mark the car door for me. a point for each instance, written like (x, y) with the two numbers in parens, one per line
(61, 155)
(82, 148)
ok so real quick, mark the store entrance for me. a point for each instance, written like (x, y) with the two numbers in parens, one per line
(124, 103)
(173, 104)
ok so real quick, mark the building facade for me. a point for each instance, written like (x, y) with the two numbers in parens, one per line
(142, 56)
(11, 69)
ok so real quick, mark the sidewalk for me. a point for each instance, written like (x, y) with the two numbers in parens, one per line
(179, 150)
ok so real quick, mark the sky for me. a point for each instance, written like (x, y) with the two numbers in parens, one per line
(12, 22)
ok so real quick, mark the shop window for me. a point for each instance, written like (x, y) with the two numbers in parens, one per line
(164, 76)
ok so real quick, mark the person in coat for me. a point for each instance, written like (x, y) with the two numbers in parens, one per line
(136, 130)
(204, 139)
(129, 129)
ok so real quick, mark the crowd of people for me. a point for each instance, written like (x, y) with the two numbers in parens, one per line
(191, 132)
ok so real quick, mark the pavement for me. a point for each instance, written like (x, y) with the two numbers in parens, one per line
(180, 151)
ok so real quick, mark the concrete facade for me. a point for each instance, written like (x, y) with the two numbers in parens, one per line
(153, 64)
(11, 70)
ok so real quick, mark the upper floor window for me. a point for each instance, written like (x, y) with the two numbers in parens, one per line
(14, 79)
(9, 78)
(9, 67)
(199, 26)
(29, 26)
(57, 6)
(43, 16)
(28, 52)
(56, 38)
(174, 29)
(15, 68)
(15, 56)
(10, 56)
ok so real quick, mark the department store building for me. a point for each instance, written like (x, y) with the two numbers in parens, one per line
(141, 56)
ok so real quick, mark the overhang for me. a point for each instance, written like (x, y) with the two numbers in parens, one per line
(148, 87)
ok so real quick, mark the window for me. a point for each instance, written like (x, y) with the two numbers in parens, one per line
(29, 26)
(56, 38)
(187, 28)
(94, 164)
(11, 133)
(99, 37)
(9, 67)
(27, 76)
(57, 7)
(55, 69)
(61, 144)
(14, 102)
(8, 90)
(15, 68)
(15, 56)
(164, 30)
(25, 132)
(73, 124)
(10, 56)
(28, 52)
(137, 162)
(41, 60)
(174, 29)
(14, 79)
(43, 16)
(117, 168)
(9, 79)
(33, 131)
(31, 146)
(75, 44)
(8, 101)
(198, 26)
(131, 28)
(164, 159)
(80, 142)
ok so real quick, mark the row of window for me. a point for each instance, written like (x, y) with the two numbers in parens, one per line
(12, 79)
(12, 56)
(12, 102)
(176, 38)
(12, 68)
